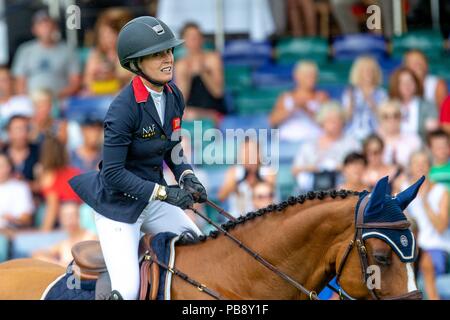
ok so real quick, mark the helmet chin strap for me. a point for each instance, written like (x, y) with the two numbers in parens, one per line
(137, 70)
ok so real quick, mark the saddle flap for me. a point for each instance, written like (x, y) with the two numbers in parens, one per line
(149, 270)
(88, 257)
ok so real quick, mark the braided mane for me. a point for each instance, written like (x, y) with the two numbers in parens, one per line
(291, 201)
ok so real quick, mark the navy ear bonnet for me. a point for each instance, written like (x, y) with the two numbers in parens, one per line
(382, 207)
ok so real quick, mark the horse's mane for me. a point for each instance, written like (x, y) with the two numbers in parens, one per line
(291, 201)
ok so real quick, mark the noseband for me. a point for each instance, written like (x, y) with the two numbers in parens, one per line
(358, 243)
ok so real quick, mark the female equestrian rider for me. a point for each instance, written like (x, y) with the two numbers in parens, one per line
(129, 193)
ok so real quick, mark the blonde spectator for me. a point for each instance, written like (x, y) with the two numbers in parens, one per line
(373, 150)
(418, 115)
(70, 222)
(241, 179)
(434, 89)
(103, 74)
(364, 94)
(294, 112)
(317, 162)
(398, 145)
(430, 210)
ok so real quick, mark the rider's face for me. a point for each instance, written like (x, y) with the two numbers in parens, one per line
(159, 66)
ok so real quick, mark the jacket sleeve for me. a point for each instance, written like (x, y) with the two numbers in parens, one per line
(173, 156)
(119, 125)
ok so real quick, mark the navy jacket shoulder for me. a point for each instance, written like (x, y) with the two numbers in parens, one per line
(136, 143)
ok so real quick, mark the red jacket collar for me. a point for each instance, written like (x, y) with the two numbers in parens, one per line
(140, 91)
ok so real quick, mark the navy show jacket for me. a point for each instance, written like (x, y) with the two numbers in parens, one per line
(135, 146)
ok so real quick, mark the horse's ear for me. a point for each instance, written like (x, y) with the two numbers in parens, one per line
(405, 197)
(378, 196)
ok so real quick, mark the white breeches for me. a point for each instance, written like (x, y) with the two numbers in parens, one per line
(120, 241)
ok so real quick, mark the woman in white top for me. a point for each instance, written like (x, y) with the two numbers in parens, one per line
(16, 202)
(325, 154)
(360, 100)
(435, 89)
(418, 115)
(243, 177)
(294, 112)
(430, 210)
(398, 145)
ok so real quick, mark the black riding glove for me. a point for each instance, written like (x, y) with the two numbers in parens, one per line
(179, 197)
(193, 185)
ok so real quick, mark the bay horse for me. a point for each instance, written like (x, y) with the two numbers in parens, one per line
(306, 237)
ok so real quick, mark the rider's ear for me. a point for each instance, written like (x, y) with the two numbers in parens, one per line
(405, 197)
(377, 196)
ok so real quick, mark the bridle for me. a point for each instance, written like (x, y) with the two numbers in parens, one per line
(358, 243)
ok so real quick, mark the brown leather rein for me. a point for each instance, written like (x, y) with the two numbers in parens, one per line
(312, 295)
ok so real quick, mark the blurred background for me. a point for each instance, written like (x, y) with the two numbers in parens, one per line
(356, 89)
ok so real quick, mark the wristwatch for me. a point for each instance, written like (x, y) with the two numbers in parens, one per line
(161, 193)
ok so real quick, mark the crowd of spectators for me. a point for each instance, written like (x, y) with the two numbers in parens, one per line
(375, 128)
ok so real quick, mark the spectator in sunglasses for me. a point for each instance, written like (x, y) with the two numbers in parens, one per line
(373, 149)
(398, 145)
(263, 195)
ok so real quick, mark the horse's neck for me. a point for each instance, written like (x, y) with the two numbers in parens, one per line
(303, 242)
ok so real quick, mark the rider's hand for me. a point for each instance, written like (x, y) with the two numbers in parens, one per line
(193, 185)
(179, 197)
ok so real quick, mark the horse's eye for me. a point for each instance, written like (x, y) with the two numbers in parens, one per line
(382, 258)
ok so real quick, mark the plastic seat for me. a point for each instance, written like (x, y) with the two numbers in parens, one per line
(285, 181)
(245, 52)
(291, 50)
(4, 248)
(77, 108)
(349, 47)
(428, 41)
(257, 100)
(273, 76)
(237, 77)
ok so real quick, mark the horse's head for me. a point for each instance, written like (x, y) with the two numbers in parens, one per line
(379, 262)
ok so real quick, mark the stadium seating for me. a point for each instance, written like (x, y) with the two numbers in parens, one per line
(76, 108)
(237, 77)
(349, 47)
(285, 181)
(291, 50)
(4, 248)
(273, 76)
(246, 52)
(25, 243)
(429, 42)
(254, 101)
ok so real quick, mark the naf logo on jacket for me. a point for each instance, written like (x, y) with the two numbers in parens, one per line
(149, 131)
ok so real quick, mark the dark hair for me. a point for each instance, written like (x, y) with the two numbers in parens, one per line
(394, 91)
(189, 25)
(371, 138)
(53, 153)
(354, 157)
(438, 133)
(15, 117)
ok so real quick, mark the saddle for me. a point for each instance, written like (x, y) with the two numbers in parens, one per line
(90, 265)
